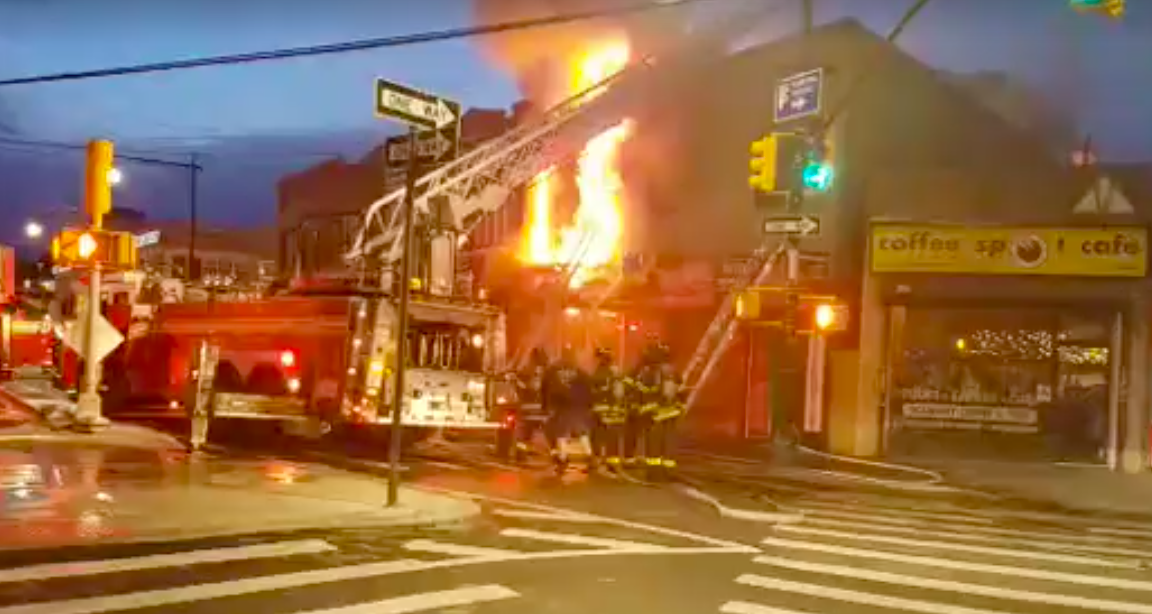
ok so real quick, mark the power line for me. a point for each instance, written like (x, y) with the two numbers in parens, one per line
(360, 45)
(31, 146)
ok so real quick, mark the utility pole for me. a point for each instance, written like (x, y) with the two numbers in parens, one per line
(808, 6)
(402, 324)
(193, 168)
(98, 202)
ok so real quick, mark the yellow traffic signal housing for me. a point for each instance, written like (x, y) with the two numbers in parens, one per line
(793, 310)
(97, 180)
(83, 248)
(763, 165)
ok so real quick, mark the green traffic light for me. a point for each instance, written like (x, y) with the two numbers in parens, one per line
(817, 177)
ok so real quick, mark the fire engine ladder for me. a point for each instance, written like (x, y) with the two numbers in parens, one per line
(722, 330)
(481, 181)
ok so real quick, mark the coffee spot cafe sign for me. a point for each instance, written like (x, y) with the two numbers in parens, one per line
(1114, 251)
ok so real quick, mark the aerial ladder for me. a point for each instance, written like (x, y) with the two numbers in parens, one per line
(481, 181)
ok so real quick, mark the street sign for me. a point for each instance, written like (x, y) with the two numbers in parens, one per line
(799, 95)
(802, 225)
(432, 146)
(415, 108)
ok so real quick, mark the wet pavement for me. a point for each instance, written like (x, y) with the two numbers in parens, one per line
(580, 543)
(64, 494)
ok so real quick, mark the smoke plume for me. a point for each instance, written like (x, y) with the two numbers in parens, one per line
(538, 57)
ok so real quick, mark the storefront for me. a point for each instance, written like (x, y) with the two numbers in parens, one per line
(1006, 343)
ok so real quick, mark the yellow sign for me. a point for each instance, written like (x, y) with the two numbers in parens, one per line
(1120, 251)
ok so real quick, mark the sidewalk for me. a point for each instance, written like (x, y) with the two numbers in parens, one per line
(31, 409)
(131, 484)
(1075, 488)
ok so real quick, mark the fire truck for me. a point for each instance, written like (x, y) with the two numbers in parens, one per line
(317, 364)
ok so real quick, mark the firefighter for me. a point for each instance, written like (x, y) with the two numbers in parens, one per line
(532, 412)
(610, 410)
(656, 407)
(568, 401)
(663, 420)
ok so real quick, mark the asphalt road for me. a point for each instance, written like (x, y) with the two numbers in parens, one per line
(594, 544)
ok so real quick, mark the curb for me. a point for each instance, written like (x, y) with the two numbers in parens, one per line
(415, 518)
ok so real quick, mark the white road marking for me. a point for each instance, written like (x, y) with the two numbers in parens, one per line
(157, 561)
(444, 465)
(920, 543)
(580, 540)
(424, 602)
(996, 592)
(428, 545)
(1004, 536)
(740, 514)
(533, 515)
(913, 523)
(743, 607)
(248, 586)
(888, 514)
(928, 561)
(1120, 532)
(735, 547)
(859, 597)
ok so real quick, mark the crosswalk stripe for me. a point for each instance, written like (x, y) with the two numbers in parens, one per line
(913, 523)
(581, 540)
(996, 592)
(435, 547)
(158, 561)
(1138, 533)
(972, 535)
(919, 543)
(859, 597)
(928, 561)
(909, 515)
(534, 515)
(424, 602)
(216, 590)
(743, 607)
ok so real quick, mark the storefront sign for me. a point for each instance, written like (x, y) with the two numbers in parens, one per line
(970, 417)
(949, 249)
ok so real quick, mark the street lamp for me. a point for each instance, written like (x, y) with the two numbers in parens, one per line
(33, 230)
(115, 176)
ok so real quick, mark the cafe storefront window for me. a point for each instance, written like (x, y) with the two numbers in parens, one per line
(1022, 383)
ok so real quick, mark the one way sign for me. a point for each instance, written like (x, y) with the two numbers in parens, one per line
(432, 146)
(415, 108)
(792, 225)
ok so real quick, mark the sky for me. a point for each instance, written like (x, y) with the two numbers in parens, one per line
(253, 123)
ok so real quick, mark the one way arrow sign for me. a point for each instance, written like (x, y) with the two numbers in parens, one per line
(792, 225)
(431, 147)
(415, 108)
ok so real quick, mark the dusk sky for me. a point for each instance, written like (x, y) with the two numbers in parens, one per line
(255, 122)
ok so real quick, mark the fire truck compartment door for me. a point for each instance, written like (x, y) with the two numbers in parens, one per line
(254, 406)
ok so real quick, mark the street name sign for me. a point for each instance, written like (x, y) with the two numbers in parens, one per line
(418, 109)
(802, 225)
(432, 146)
(800, 95)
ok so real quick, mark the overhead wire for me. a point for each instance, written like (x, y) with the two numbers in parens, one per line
(403, 40)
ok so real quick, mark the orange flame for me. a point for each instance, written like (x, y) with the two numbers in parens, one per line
(591, 242)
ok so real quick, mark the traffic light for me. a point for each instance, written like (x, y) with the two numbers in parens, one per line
(818, 171)
(1109, 8)
(98, 178)
(763, 165)
(83, 248)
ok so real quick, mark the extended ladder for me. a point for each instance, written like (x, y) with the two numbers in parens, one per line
(722, 330)
(481, 181)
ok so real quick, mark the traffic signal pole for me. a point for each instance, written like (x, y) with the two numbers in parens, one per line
(98, 202)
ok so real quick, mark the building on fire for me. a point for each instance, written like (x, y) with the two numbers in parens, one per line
(995, 312)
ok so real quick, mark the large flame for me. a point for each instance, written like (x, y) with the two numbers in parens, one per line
(592, 241)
